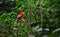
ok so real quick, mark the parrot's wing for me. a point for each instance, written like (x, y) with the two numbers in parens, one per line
(16, 19)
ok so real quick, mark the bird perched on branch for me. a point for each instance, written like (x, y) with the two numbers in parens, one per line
(20, 17)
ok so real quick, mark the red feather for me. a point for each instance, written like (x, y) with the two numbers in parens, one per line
(21, 14)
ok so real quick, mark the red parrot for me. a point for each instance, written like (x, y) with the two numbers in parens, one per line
(20, 17)
(20, 14)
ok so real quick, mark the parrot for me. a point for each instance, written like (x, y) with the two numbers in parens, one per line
(20, 17)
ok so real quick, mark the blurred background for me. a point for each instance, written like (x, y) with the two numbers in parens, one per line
(42, 18)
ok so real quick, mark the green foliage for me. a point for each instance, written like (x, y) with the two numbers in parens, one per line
(9, 10)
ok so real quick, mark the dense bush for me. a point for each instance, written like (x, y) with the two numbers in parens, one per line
(10, 8)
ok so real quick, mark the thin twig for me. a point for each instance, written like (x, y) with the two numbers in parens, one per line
(41, 15)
